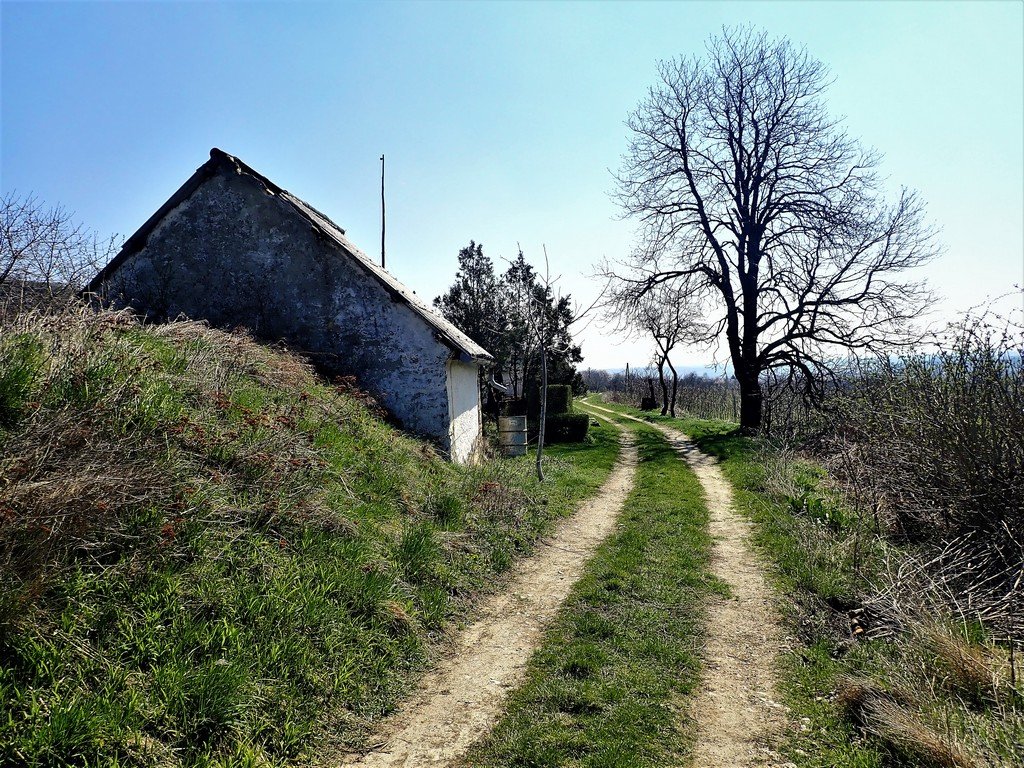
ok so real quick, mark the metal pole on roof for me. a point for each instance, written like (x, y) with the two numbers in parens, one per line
(382, 212)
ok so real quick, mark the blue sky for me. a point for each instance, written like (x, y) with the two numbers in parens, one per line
(500, 121)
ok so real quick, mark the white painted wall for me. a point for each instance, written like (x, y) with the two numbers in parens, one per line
(464, 407)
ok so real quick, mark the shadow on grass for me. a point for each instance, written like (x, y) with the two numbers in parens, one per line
(653, 447)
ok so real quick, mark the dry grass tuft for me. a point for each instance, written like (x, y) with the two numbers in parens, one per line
(969, 669)
(398, 617)
(853, 694)
(906, 734)
(887, 716)
(217, 356)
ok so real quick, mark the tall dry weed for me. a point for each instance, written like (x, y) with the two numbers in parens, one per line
(891, 716)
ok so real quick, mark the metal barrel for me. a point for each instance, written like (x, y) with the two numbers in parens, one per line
(512, 435)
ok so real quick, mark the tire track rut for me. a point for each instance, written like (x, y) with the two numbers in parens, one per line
(458, 702)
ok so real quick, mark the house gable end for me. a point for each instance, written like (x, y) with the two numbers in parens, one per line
(235, 254)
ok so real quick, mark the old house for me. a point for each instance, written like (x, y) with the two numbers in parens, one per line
(233, 248)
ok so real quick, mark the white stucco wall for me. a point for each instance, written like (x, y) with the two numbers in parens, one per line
(464, 407)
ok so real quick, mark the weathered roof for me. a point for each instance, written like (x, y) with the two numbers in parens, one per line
(220, 161)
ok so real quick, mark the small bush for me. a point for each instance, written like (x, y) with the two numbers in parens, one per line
(566, 428)
(559, 399)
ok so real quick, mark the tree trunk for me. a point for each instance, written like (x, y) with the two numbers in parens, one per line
(543, 409)
(664, 388)
(513, 377)
(751, 404)
(675, 388)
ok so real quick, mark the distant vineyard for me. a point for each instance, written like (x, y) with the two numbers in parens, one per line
(705, 399)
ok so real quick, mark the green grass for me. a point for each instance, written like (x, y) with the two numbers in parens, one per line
(804, 569)
(208, 557)
(815, 544)
(609, 685)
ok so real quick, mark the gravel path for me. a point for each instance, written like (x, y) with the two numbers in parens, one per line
(458, 702)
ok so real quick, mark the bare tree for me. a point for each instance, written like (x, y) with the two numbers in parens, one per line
(549, 319)
(46, 246)
(758, 208)
(662, 314)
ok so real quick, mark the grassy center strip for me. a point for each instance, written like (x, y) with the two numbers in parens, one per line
(609, 685)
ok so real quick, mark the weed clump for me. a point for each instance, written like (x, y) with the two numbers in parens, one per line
(883, 715)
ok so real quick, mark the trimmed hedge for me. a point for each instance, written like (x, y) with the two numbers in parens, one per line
(559, 400)
(566, 428)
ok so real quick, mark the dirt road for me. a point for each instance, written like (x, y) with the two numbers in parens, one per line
(736, 710)
(458, 702)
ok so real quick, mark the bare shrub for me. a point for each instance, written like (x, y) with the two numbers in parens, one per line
(934, 444)
(953, 581)
(45, 247)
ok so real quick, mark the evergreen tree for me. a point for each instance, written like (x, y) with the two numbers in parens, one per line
(471, 302)
(501, 315)
(526, 305)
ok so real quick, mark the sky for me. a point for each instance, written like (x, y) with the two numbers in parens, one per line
(501, 122)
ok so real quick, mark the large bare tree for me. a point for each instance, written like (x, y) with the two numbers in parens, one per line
(760, 209)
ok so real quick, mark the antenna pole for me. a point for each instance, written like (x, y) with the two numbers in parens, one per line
(382, 211)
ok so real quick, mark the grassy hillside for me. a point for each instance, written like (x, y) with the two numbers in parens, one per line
(208, 556)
